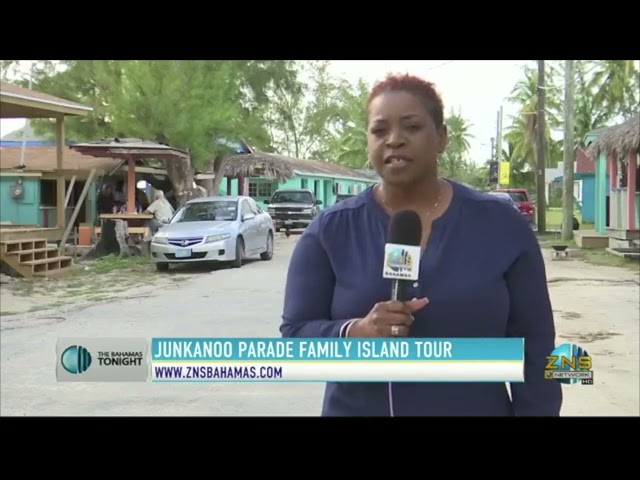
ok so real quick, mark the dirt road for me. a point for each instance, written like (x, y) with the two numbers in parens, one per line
(597, 308)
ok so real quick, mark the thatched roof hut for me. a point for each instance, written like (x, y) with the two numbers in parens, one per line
(282, 168)
(622, 139)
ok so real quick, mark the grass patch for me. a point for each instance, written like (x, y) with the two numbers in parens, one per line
(548, 240)
(603, 258)
(38, 308)
(554, 217)
(112, 263)
(553, 220)
(594, 256)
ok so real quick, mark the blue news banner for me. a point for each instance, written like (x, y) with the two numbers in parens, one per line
(291, 360)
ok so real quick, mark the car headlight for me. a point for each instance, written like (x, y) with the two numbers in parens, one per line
(271, 210)
(307, 210)
(160, 240)
(216, 238)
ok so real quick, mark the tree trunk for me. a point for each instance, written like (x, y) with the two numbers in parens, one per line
(114, 240)
(540, 150)
(208, 184)
(180, 173)
(219, 169)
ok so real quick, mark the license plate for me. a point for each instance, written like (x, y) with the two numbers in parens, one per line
(288, 222)
(185, 253)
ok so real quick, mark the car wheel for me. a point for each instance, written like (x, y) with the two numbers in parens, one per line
(237, 263)
(268, 255)
(162, 267)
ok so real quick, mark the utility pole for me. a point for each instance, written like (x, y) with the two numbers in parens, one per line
(540, 149)
(499, 146)
(569, 150)
(492, 161)
(26, 123)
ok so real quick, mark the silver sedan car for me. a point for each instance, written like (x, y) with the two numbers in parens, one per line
(214, 229)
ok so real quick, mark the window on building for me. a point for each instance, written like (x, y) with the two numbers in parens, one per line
(260, 189)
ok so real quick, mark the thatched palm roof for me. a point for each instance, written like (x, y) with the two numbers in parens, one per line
(282, 168)
(623, 139)
(129, 147)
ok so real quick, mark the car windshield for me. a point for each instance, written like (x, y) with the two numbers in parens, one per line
(216, 211)
(292, 197)
(518, 196)
(503, 196)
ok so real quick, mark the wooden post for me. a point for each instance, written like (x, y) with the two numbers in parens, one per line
(569, 151)
(76, 210)
(131, 186)
(601, 195)
(60, 193)
(632, 171)
(614, 188)
(613, 171)
(69, 191)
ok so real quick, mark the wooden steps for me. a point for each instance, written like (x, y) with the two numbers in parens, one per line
(34, 258)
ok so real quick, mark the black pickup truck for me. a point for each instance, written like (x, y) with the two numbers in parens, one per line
(293, 208)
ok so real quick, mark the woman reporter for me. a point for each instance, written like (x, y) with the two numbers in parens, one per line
(481, 271)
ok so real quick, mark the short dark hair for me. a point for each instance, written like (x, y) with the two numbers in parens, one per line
(422, 89)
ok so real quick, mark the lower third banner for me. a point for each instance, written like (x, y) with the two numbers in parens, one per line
(290, 360)
(337, 360)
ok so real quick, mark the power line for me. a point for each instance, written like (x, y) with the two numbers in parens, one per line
(441, 65)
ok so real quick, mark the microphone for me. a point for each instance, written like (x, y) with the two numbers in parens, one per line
(402, 253)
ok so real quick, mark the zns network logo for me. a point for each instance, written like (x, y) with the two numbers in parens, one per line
(76, 359)
(399, 260)
(569, 364)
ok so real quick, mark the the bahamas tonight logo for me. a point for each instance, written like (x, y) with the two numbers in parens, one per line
(102, 359)
(76, 359)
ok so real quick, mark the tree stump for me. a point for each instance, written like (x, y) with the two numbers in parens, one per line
(114, 240)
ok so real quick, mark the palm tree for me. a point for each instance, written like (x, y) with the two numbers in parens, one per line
(616, 84)
(522, 131)
(455, 157)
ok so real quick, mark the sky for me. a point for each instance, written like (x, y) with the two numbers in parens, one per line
(476, 88)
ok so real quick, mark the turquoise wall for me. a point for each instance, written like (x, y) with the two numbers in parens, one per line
(589, 197)
(600, 197)
(20, 212)
(323, 186)
(28, 212)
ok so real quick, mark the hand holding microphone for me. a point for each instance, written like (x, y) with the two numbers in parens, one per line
(402, 266)
(388, 319)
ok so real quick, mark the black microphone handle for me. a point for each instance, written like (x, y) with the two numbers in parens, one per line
(400, 290)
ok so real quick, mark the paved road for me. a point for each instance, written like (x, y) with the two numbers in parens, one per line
(595, 307)
(244, 302)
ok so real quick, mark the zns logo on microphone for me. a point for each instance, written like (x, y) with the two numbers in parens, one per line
(399, 260)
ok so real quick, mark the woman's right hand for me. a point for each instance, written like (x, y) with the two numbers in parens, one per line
(388, 319)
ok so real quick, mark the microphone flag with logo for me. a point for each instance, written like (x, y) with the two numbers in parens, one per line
(402, 253)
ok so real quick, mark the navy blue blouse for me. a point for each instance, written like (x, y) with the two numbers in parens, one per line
(483, 274)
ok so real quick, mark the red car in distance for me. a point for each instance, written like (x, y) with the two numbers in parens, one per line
(522, 199)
